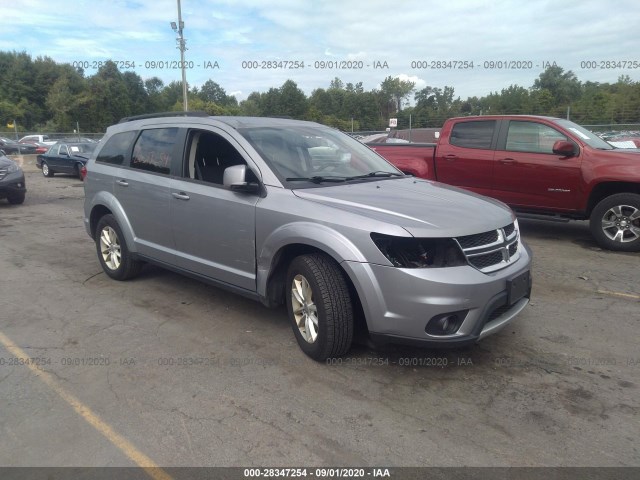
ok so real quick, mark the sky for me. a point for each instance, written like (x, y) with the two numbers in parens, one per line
(252, 45)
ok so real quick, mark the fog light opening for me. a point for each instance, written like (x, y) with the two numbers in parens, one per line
(446, 323)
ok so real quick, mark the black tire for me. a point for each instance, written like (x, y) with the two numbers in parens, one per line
(615, 222)
(16, 198)
(77, 170)
(127, 267)
(46, 171)
(333, 306)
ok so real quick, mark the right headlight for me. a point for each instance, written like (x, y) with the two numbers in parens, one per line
(411, 252)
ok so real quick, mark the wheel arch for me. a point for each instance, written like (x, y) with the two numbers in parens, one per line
(606, 189)
(273, 279)
(105, 203)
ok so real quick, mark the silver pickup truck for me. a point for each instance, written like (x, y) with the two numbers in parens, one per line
(289, 211)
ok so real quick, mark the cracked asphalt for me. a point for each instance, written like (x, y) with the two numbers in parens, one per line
(195, 376)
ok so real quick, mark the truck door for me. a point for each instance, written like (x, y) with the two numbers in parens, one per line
(464, 157)
(527, 174)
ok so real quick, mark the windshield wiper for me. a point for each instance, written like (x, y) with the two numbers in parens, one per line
(377, 174)
(316, 179)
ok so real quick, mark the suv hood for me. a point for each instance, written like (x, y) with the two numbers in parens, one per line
(422, 207)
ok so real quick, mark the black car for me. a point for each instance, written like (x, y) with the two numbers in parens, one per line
(11, 147)
(12, 186)
(65, 157)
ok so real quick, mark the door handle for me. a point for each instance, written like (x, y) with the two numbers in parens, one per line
(123, 183)
(180, 196)
(507, 161)
(450, 158)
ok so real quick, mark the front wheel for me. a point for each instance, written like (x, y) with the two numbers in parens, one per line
(615, 222)
(114, 256)
(319, 306)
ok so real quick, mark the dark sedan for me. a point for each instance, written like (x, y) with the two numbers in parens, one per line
(11, 147)
(65, 158)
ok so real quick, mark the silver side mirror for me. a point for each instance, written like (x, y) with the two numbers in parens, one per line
(235, 178)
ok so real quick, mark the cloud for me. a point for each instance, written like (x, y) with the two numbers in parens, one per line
(236, 31)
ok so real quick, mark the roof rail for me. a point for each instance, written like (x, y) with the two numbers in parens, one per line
(163, 114)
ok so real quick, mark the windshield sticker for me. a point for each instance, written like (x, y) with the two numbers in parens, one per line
(579, 133)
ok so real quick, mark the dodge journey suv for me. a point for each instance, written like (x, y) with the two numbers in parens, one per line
(287, 211)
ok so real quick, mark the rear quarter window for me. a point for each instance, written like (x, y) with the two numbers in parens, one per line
(153, 150)
(473, 134)
(116, 148)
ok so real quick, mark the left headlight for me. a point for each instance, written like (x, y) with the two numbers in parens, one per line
(13, 168)
(411, 252)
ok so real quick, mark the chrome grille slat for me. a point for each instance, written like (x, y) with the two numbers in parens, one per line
(492, 250)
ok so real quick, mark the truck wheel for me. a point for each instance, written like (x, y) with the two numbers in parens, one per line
(319, 305)
(115, 258)
(46, 171)
(615, 222)
(16, 198)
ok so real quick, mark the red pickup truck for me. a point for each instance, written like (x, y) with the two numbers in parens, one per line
(542, 167)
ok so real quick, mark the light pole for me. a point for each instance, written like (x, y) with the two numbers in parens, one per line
(182, 46)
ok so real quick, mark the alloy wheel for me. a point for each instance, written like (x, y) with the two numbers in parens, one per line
(304, 308)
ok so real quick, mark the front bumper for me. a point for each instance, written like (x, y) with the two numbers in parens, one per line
(12, 184)
(399, 303)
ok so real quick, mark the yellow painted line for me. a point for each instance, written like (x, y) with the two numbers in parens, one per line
(619, 294)
(139, 458)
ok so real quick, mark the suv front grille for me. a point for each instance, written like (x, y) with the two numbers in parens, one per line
(492, 250)
(3, 172)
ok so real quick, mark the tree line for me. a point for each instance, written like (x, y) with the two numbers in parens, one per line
(46, 96)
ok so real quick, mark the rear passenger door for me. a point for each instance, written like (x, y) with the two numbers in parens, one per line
(214, 227)
(466, 160)
(142, 186)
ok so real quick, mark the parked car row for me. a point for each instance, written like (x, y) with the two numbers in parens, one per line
(11, 147)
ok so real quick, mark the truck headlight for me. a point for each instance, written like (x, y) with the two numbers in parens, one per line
(411, 252)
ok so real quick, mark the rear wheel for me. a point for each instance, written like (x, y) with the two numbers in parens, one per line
(78, 170)
(46, 171)
(114, 256)
(615, 222)
(319, 305)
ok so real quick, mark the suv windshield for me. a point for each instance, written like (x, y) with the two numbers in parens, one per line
(587, 136)
(302, 156)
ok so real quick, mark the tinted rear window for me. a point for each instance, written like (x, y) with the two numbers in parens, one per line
(154, 149)
(116, 148)
(473, 134)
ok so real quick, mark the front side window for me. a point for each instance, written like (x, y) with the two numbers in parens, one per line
(154, 149)
(477, 134)
(116, 148)
(532, 137)
(208, 155)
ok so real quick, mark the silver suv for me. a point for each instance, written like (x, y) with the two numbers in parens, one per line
(290, 211)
